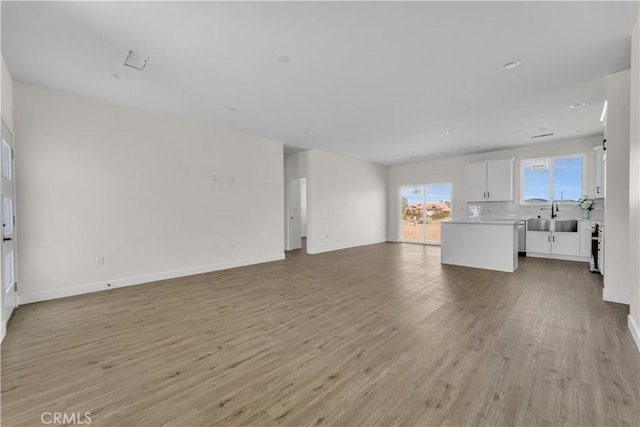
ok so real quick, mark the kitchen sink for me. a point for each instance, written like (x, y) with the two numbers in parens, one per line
(565, 225)
(557, 225)
(539, 225)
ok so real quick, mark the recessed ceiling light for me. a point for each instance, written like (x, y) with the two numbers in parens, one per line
(578, 105)
(449, 132)
(577, 131)
(119, 76)
(521, 130)
(309, 132)
(233, 109)
(515, 63)
(283, 58)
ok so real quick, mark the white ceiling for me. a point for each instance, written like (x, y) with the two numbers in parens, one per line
(380, 81)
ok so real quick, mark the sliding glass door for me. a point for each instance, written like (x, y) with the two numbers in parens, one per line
(422, 208)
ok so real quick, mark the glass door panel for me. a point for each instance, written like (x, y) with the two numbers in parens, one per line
(422, 209)
(438, 209)
(412, 215)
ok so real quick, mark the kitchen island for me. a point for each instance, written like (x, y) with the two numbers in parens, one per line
(492, 245)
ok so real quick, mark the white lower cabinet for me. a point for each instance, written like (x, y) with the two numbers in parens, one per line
(539, 242)
(565, 243)
(557, 243)
(584, 228)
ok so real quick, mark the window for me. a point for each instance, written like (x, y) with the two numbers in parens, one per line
(552, 178)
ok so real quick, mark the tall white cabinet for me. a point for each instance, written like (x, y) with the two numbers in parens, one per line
(601, 172)
(489, 181)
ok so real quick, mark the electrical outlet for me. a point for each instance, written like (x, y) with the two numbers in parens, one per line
(326, 236)
(233, 246)
(99, 260)
(215, 248)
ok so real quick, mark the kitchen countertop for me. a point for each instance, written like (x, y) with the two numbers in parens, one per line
(493, 222)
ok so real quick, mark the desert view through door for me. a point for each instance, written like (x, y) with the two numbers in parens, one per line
(422, 208)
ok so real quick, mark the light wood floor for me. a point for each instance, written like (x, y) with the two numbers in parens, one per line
(378, 335)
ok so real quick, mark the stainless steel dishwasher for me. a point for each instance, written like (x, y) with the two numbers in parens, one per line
(522, 238)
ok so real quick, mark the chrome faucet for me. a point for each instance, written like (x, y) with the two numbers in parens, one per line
(553, 214)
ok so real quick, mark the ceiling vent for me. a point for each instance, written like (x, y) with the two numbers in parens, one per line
(135, 60)
(542, 135)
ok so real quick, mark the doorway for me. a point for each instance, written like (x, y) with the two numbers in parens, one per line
(422, 209)
(297, 213)
(8, 252)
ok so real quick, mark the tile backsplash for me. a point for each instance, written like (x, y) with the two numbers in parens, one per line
(512, 210)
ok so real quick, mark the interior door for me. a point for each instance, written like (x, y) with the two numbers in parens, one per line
(9, 295)
(295, 215)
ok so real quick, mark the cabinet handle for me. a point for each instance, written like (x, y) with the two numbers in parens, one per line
(598, 189)
(488, 195)
(484, 195)
(553, 238)
(549, 239)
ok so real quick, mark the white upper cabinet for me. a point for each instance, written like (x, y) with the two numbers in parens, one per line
(500, 180)
(490, 181)
(601, 164)
(476, 181)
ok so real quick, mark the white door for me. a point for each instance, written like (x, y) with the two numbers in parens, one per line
(295, 215)
(9, 296)
(476, 181)
(500, 180)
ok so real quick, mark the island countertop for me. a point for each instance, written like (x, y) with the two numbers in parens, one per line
(491, 222)
(492, 245)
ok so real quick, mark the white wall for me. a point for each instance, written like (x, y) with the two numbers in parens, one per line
(453, 170)
(6, 112)
(156, 196)
(346, 202)
(616, 259)
(634, 186)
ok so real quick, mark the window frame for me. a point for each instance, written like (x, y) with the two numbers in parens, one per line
(552, 160)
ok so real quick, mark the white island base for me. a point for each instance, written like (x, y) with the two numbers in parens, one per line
(492, 245)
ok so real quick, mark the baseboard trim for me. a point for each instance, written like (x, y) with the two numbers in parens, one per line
(343, 246)
(615, 296)
(560, 257)
(635, 332)
(144, 278)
